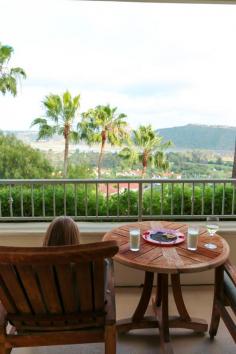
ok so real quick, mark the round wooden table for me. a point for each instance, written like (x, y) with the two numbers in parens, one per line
(165, 261)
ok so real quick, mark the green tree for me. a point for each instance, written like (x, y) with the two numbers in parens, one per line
(103, 125)
(146, 147)
(9, 76)
(18, 160)
(81, 170)
(59, 118)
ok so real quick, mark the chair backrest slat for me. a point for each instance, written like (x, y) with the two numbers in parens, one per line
(32, 288)
(6, 299)
(13, 284)
(85, 288)
(66, 278)
(98, 281)
(49, 288)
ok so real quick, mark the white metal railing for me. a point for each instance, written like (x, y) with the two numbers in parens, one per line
(116, 199)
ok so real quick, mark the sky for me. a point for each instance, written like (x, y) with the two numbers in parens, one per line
(161, 64)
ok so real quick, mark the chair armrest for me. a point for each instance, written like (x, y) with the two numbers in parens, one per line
(110, 305)
(231, 271)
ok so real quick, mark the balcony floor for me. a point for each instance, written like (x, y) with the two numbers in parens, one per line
(198, 300)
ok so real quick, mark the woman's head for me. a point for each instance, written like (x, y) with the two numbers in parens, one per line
(62, 231)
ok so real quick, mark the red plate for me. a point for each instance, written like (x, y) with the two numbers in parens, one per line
(159, 241)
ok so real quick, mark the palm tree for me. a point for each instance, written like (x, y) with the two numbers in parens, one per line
(146, 147)
(9, 76)
(102, 125)
(60, 114)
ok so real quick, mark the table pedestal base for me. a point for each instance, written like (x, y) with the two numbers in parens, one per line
(161, 320)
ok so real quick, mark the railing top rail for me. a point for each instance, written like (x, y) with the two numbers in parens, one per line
(117, 180)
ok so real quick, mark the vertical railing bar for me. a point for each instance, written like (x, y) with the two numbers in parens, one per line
(203, 196)
(75, 198)
(86, 199)
(182, 200)
(96, 200)
(10, 201)
(223, 200)
(107, 198)
(213, 200)
(128, 199)
(54, 201)
(233, 199)
(32, 199)
(192, 201)
(43, 199)
(171, 207)
(1, 187)
(162, 192)
(118, 200)
(140, 202)
(64, 199)
(151, 201)
(21, 201)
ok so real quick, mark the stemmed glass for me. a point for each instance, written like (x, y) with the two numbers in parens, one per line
(212, 226)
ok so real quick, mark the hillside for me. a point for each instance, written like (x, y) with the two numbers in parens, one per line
(193, 136)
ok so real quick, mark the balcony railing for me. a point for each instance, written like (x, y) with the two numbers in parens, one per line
(116, 199)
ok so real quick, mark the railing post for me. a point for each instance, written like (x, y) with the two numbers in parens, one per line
(140, 201)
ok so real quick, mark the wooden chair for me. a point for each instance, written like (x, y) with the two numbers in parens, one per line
(223, 297)
(56, 295)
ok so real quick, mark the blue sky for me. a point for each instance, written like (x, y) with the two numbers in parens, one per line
(164, 64)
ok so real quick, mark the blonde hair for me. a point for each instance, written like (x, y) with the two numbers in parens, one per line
(62, 231)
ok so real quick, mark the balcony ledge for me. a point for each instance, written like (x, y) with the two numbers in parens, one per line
(90, 228)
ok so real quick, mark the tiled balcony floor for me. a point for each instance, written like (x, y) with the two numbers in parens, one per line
(198, 300)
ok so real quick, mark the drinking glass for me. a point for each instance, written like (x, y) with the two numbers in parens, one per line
(134, 239)
(192, 238)
(212, 226)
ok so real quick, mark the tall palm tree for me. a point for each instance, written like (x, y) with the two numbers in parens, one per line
(146, 147)
(9, 77)
(59, 118)
(102, 125)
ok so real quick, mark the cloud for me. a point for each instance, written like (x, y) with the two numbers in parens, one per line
(165, 64)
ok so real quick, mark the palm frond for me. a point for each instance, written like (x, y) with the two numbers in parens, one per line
(74, 136)
(8, 84)
(46, 131)
(5, 53)
(18, 72)
(38, 121)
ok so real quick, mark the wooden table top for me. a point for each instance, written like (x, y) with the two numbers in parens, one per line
(171, 259)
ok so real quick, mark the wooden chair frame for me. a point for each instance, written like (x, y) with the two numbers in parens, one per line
(221, 301)
(57, 295)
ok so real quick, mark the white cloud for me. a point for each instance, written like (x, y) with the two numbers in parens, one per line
(165, 64)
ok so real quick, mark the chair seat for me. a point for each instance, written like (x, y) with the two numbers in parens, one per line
(230, 289)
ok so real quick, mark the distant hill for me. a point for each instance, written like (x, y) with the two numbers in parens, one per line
(27, 136)
(193, 136)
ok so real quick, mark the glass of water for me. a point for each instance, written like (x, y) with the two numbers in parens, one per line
(134, 239)
(212, 226)
(192, 238)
